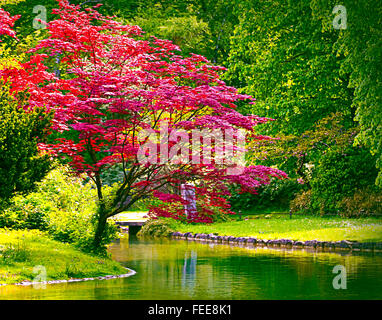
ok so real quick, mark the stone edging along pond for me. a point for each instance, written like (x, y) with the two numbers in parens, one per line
(107, 277)
(333, 245)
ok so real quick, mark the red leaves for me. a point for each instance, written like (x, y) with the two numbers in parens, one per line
(114, 87)
(6, 24)
(167, 197)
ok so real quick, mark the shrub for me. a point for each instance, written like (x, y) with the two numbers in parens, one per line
(302, 202)
(361, 203)
(21, 164)
(63, 206)
(339, 175)
(26, 212)
(15, 252)
(276, 194)
(157, 227)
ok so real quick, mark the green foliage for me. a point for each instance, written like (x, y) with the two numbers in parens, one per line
(62, 206)
(199, 26)
(15, 252)
(157, 227)
(21, 164)
(186, 30)
(144, 204)
(338, 175)
(276, 195)
(219, 214)
(297, 151)
(302, 202)
(281, 56)
(24, 26)
(5, 2)
(361, 203)
(360, 44)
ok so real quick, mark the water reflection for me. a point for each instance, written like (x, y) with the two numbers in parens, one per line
(189, 271)
(168, 269)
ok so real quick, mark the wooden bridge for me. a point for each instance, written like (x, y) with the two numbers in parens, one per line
(133, 220)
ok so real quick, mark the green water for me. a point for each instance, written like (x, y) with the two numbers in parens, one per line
(170, 269)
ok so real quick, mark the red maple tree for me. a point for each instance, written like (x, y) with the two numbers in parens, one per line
(113, 86)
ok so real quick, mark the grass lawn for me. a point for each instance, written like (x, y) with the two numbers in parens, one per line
(298, 228)
(22, 250)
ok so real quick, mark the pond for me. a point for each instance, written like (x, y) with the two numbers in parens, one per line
(179, 269)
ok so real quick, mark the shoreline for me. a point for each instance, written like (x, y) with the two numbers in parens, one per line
(284, 243)
(107, 277)
(21, 251)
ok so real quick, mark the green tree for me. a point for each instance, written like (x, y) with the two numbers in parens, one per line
(282, 57)
(360, 42)
(340, 174)
(21, 164)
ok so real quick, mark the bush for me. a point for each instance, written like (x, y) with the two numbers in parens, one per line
(361, 203)
(277, 194)
(21, 164)
(157, 227)
(63, 206)
(339, 175)
(15, 252)
(302, 203)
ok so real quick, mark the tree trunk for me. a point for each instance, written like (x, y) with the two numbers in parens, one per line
(100, 229)
(102, 215)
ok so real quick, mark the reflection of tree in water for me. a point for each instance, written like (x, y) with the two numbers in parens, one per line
(189, 271)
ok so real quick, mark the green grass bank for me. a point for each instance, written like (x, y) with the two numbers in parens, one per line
(299, 227)
(22, 250)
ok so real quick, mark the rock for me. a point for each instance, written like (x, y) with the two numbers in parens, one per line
(324, 244)
(345, 244)
(331, 244)
(298, 243)
(356, 245)
(310, 243)
(337, 244)
(368, 245)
